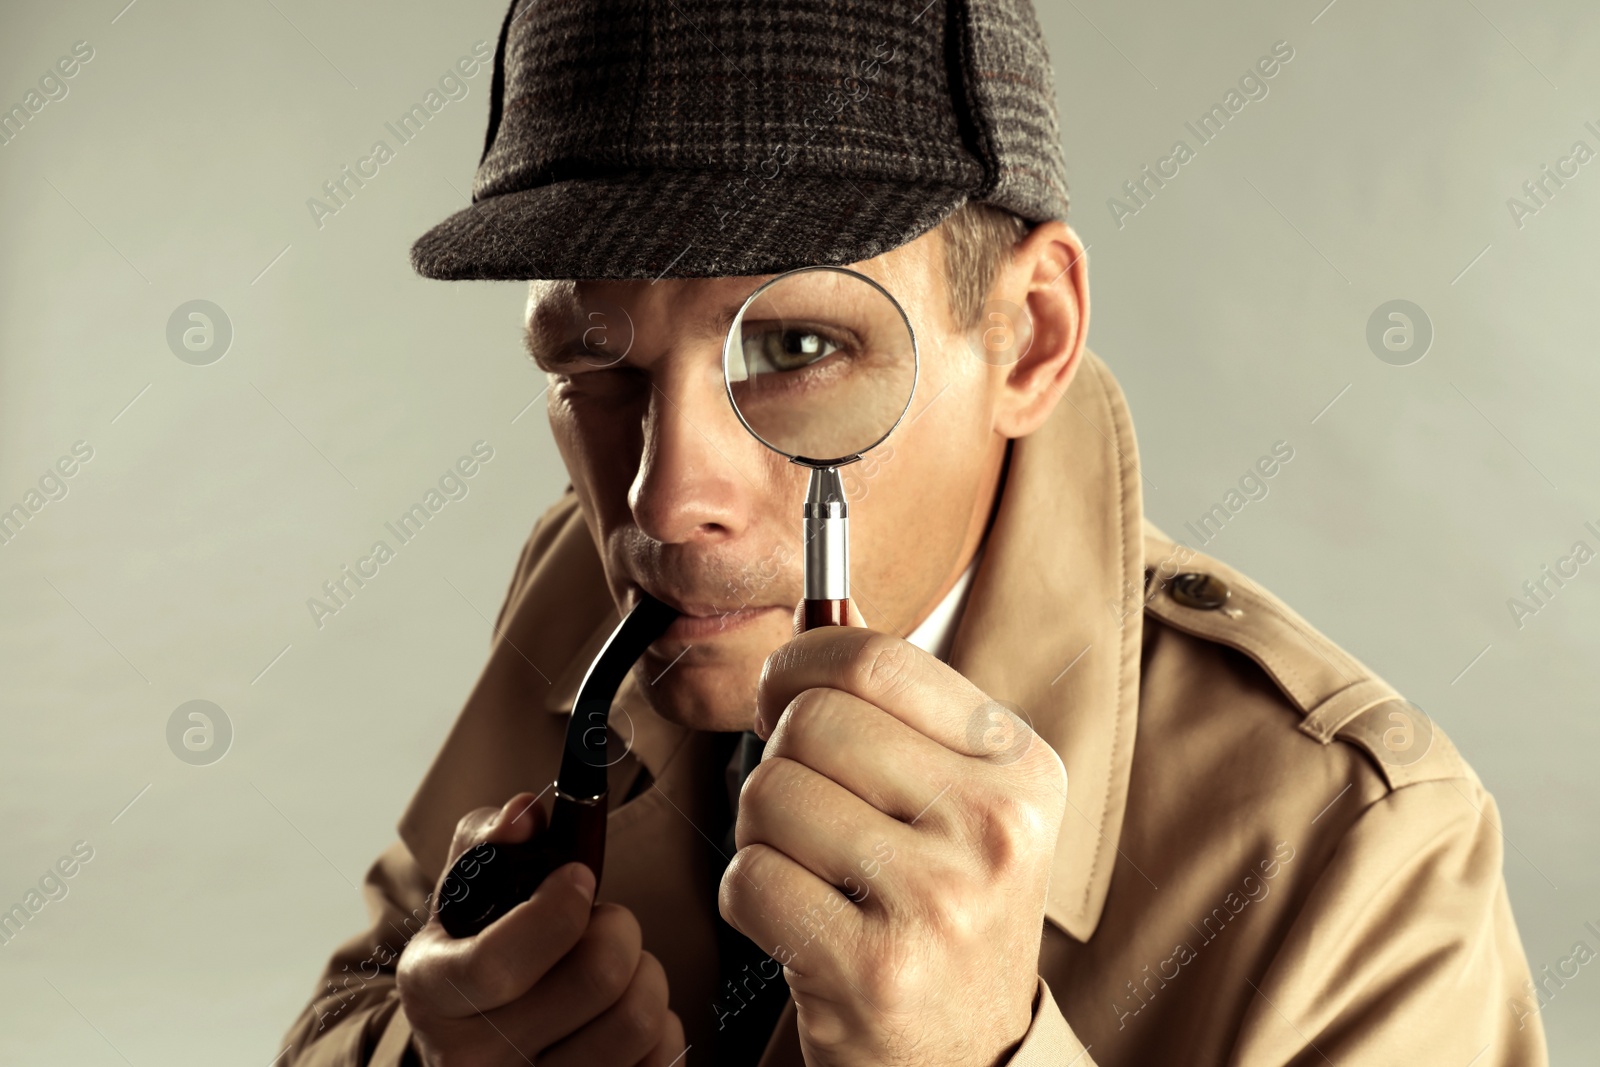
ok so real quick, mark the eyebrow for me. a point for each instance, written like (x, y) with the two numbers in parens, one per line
(533, 349)
(722, 322)
(716, 325)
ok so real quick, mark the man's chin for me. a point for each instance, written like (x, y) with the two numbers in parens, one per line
(709, 687)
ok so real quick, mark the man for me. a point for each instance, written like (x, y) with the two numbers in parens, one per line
(1065, 792)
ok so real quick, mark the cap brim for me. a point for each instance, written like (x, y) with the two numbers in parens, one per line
(679, 224)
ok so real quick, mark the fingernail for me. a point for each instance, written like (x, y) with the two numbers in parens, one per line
(583, 880)
(759, 729)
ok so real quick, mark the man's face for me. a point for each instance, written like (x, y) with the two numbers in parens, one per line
(683, 502)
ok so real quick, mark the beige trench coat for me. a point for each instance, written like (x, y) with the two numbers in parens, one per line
(1266, 858)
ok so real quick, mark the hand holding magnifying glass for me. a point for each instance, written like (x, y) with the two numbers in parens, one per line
(820, 365)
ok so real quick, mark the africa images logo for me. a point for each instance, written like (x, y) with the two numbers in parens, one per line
(453, 85)
(1253, 85)
(453, 484)
(53, 87)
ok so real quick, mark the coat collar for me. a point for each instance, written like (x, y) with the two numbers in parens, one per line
(1052, 625)
(1053, 622)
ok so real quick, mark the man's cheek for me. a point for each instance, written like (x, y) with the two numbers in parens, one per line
(579, 473)
(605, 438)
(601, 469)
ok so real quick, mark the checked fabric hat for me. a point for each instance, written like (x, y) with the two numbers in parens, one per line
(707, 138)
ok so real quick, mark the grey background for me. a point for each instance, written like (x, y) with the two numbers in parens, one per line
(1233, 308)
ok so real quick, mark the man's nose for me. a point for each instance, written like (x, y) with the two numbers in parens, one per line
(689, 487)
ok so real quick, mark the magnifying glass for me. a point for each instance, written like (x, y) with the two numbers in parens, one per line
(820, 365)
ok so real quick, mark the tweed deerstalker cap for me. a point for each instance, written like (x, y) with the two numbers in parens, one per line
(704, 138)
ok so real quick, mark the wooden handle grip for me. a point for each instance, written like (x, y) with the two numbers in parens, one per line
(823, 613)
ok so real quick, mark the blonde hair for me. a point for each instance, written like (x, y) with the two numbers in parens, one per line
(978, 239)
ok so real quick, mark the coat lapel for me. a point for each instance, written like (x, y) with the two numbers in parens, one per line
(1053, 622)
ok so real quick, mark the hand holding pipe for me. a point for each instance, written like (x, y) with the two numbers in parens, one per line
(488, 880)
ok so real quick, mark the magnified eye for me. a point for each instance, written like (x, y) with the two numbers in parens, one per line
(767, 351)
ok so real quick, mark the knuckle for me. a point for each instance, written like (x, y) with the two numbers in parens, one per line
(1046, 762)
(1058, 770)
(609, 960)
(737, 894)
(470, 829)
(1046, 788)
(765, 782)
(617, 922)
(409, 977)
(672, 1037)
(1005, 846)
(774, 671)
(494, 978)
(805, 716)
(472, 820)
(954, 909)
(1008, 830)
(606, 972)
(639, 1014)
(882, 664)
(652, 975)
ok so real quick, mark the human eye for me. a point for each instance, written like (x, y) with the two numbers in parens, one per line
(772, 349)
(585, 373)
(577, 361)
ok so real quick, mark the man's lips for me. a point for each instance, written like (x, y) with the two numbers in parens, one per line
(698, 629)
(700, 621)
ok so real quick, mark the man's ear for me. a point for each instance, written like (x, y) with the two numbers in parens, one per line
(1047, 278)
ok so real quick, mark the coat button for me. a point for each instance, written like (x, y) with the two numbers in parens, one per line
(1203, 592)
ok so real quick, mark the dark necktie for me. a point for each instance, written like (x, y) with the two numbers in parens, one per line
(751, 991)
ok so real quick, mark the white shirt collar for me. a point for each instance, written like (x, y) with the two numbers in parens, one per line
(935, 633)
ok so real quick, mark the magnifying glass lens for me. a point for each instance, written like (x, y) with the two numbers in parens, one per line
(820, 364)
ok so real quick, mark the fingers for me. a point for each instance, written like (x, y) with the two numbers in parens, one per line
(516, 820)
(605, 1002)
(480, 836)
(869, 752)
(595, 974)
(590, 979)
(885, 671)
(455, 977)
(555, 972)
(818, 824)
(627, 1031)
(670, 1049)
(798, 919)
(452, 977)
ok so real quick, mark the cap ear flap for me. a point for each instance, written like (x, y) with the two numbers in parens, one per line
(997, 50)
(497, 85)
(961, 61)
